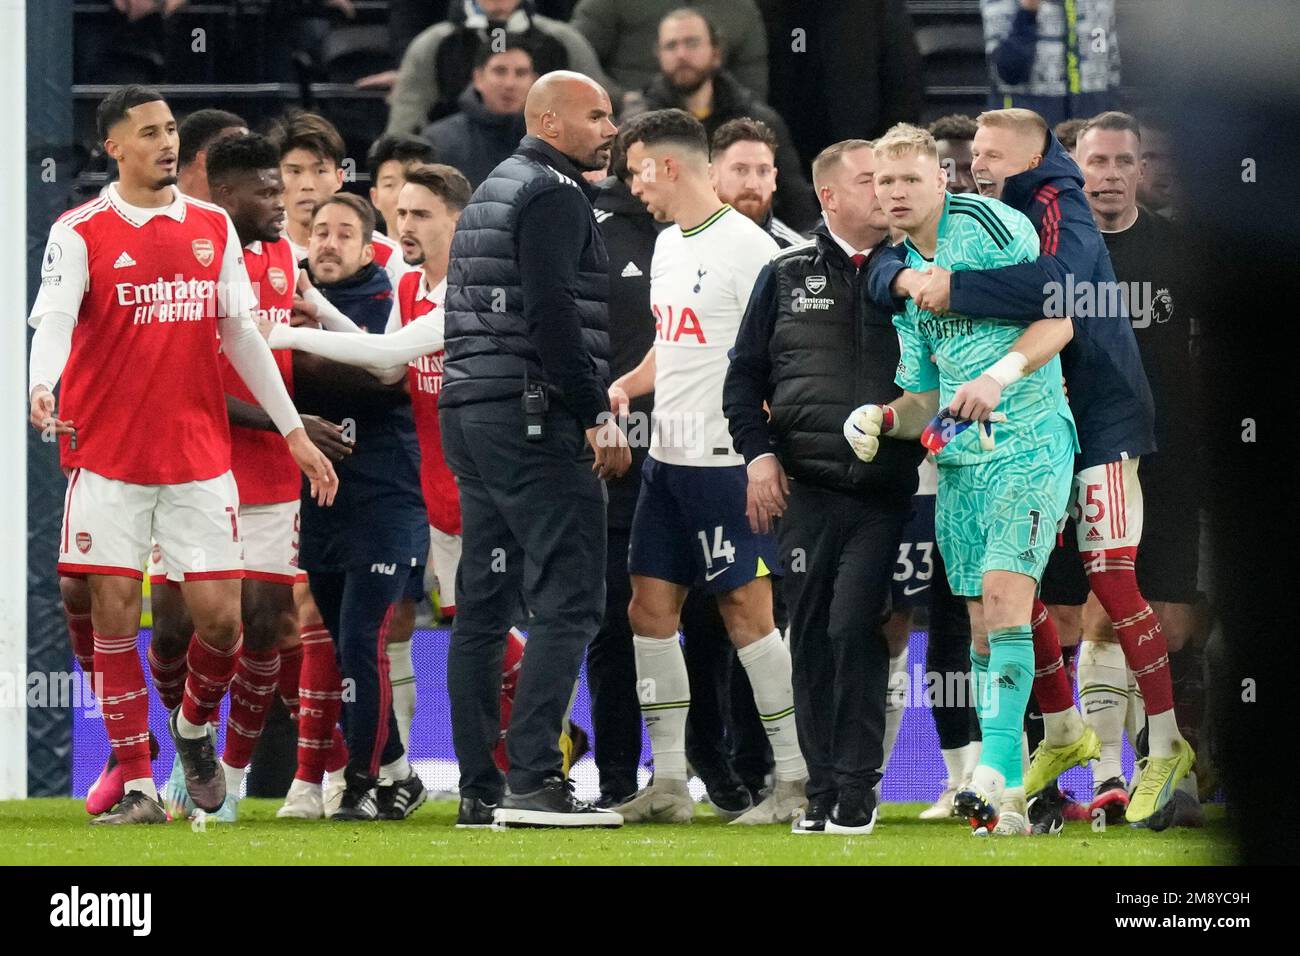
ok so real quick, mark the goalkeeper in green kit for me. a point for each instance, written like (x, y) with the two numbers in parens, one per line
(1004, 482)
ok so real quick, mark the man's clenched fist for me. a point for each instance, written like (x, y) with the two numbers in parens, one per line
(864, 426)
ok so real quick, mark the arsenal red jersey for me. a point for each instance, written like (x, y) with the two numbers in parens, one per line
(143, 381)
(264, 468)
(441, 499)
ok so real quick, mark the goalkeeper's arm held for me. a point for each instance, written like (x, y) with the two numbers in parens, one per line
(912, 412)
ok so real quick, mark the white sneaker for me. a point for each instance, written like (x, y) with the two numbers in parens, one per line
(941, 809)
(303, 802)
(334, 787)
(783, 805)
(661, 801)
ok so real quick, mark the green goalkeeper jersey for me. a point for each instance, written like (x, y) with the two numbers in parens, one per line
(978, 233)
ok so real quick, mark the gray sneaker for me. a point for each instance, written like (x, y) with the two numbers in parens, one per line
(203, 777)
(783, 805)
(662, 801)
(134, 807)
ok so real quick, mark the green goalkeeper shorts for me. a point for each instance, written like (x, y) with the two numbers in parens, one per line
(1002, 515)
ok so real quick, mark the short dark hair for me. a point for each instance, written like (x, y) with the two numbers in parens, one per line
(511, 41)
(667, 126)
(200, 128)
(715, 36)
(742, 129)
(1067, 131)
(299, 129)
(445, 182)
(113, 108)
(241, 154)
(954, 126)
(1112, 120)
(401, 147)
(358, 205)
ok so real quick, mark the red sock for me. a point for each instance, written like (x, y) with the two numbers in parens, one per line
(82, 635)
(210, 672)
(320, 699)
(169, 675)
(252, 690)
(1051, 682)
(510, 664)
(290, 673)
(1112, 577)
(125, 703)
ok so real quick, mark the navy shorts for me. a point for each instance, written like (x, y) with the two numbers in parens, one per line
(690, 528)
(914, 569)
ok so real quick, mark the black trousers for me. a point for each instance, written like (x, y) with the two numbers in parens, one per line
(947, 652)
(533, 520)
(838, 552)
(611, 679)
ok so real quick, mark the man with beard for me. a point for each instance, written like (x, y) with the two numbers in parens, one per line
(691, 78)
(523, 396)
(743, 169)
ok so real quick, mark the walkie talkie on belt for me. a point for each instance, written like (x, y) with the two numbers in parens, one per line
(535, 402)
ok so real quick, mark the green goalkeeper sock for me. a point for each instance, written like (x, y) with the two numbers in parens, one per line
(1009, 681)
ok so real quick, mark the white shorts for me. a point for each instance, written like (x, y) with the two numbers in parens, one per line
(269, 535)
(108, 526)
(444, 558)
(1106, 504)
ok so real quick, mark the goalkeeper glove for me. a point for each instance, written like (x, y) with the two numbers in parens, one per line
(865, 425)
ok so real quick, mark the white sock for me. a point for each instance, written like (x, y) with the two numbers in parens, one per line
(895, 703)
(973, 751)
(401, 676)
(234, 778)
(144, 785)
(1013, 798)
(1103, 693)
(664, 690)
(1063, 727)
(1162, 731)
(767, 664)
(397, 771)
(336, 778)
(989, 782)
(1137, 712)
(955, 761)
(188, 730)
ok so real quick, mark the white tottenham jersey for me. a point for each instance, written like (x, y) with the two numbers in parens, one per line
(700, 281)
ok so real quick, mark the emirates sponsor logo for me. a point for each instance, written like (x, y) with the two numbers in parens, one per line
(204, 251)
(83, 541)
(279, 281)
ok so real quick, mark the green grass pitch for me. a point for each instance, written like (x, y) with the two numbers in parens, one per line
(53, 831)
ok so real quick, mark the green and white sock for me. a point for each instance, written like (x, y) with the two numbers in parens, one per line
(767, 664)
(664, 690)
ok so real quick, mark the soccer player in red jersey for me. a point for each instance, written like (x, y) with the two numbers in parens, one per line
(244, 177)
(136, 286)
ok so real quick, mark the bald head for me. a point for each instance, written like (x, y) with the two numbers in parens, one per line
(572, 113)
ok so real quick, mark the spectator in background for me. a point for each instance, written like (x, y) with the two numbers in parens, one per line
(387, 159)
(624, 36)
(743, 168)
(841, 69)
(1067, 131)
(1158, 187)
(691, 78)
(1059, 58)
(490, 123)
(438, 64)
(953, 135)
(197, 132)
